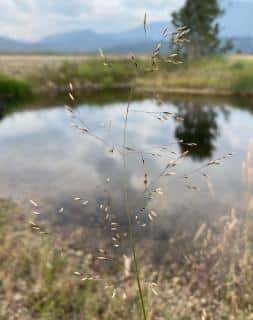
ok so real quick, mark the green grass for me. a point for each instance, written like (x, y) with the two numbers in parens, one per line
(233, 74)
(108, 74)
(94, 71)
(13, 88)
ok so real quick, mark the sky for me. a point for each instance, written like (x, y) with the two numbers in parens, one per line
(34, 19)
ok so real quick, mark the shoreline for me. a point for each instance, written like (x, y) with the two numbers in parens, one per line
(54, 90)
(223, 76)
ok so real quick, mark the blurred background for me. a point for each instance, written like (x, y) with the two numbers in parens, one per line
(82, 27)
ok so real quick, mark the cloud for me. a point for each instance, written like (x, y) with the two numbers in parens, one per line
(33, 19)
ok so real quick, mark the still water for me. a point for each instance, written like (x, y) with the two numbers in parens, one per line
(44, 158)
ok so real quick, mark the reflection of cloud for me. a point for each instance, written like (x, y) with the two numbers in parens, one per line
(44, 158)
(238, 129)
(34, 122)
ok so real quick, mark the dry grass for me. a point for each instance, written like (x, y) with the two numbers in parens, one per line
(27, 65)
(49, 277)
(44, 280)
(231, 74)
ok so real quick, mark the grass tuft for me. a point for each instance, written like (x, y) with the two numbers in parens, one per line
(14, 89)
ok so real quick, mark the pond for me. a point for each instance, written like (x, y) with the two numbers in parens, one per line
(44, 157)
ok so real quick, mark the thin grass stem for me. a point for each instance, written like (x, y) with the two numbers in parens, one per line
(130, 225)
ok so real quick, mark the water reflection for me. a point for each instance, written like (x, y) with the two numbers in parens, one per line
(199, 126)
(44, 158)
(2, 110)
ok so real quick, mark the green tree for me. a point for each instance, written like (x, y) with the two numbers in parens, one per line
(201, 16)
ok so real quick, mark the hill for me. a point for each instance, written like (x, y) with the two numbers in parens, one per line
(236, 24)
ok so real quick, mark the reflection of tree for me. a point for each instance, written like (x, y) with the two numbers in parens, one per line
(200, 127)
(2, 110)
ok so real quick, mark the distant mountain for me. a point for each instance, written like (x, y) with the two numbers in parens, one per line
(10, 45)
(243, 44)
(154, 31)
(88, 41)
(236, 24)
